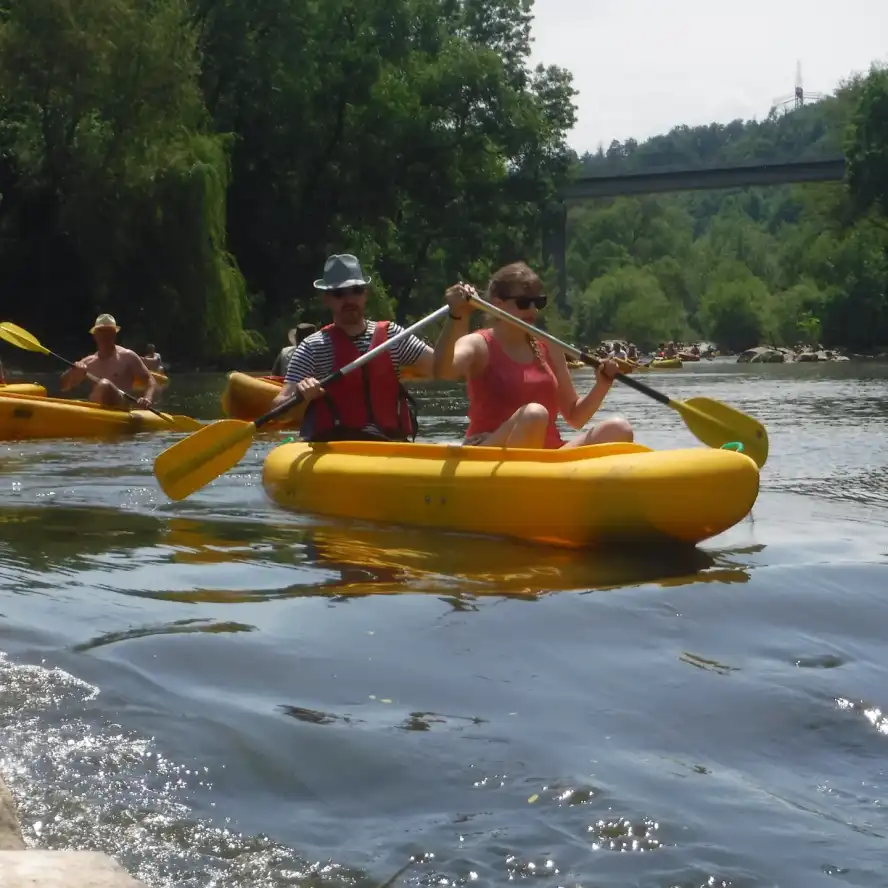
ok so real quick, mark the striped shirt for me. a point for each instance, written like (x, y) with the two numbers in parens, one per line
(314, 355)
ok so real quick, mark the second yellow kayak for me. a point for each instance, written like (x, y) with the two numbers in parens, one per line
(249, 397)
(573, 497)
(23, 418)
(32, 389)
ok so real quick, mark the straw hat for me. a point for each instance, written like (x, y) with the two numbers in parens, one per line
(104, 321)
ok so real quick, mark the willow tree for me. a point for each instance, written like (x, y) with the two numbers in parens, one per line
(110, 176)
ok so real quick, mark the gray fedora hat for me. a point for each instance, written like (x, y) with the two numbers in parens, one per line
(342, 270)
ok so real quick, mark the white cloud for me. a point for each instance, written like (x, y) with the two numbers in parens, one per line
(644, 66)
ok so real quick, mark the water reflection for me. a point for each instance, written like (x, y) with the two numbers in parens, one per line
(176, 627)
(67, 538)
(337, 560)
(360, 561)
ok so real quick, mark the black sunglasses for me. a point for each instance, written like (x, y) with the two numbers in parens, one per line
(347, 291)
(523, 302)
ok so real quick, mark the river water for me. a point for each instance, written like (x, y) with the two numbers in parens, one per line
(219, 693)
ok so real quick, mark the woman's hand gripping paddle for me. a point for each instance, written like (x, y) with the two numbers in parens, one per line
(21, 338)
(193, 462)
(710, 421)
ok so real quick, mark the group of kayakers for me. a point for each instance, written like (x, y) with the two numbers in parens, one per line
(517, 385)
(628, 351)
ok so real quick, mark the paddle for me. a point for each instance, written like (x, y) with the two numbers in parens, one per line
(21, 338)
(713, 423)
(194, 461)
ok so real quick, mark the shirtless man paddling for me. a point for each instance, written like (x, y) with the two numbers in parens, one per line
(116, 368)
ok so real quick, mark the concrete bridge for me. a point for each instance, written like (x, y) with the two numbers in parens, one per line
(690, 179)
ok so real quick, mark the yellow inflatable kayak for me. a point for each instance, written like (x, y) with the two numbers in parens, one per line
(23, 388)
(249, 397)
(574, 497)
(23, 418)
(665, 364)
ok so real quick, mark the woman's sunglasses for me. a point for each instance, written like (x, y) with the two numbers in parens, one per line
(524, 302)
(347, 291)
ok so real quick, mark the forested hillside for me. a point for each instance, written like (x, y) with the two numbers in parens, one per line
(188, 164)
(780, 264)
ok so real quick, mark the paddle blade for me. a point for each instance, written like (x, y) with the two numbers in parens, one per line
(194, 461)
(716, 424)
(182, 423)
(21, 338)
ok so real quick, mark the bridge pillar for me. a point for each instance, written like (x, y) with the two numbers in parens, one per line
(555, 249)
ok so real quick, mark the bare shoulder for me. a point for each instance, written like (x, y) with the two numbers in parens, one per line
(475, 342)
(470, 354)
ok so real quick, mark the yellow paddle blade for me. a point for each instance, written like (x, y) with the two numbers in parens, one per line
(21, 338)
(196, 460)
(716, 424)
(183, 423)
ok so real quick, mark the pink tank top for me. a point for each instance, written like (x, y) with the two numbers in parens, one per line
(505, 386)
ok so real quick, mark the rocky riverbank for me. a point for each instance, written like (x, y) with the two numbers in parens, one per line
(22, 867)
(769, 354)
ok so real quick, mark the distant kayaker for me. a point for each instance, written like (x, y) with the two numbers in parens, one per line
(296, 335)
(115, 366)
(370, 404)
(517, 385)
(151, 359)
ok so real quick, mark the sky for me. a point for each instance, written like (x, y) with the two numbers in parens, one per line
(644, 66)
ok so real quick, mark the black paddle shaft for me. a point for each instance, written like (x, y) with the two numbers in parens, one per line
(295, 401)
(626, 379)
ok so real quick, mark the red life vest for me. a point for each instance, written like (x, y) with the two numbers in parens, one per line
(372, 396)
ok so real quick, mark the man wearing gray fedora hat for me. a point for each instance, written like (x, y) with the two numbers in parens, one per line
(368, 405)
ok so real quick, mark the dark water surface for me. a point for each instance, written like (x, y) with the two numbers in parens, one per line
(220, 693)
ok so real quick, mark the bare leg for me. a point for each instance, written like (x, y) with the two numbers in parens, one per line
(106, 394)
(610, 431)
(526, 427)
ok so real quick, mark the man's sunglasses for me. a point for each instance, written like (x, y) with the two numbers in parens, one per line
(523, 302)
(347, 291)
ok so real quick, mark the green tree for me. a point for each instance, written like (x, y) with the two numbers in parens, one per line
(867, 145)
(734, 312)
(110, 177)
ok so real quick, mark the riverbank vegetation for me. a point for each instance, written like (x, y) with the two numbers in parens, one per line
(782, 264)
(188, 164)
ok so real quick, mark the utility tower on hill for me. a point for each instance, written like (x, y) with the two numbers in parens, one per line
(797, 98)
